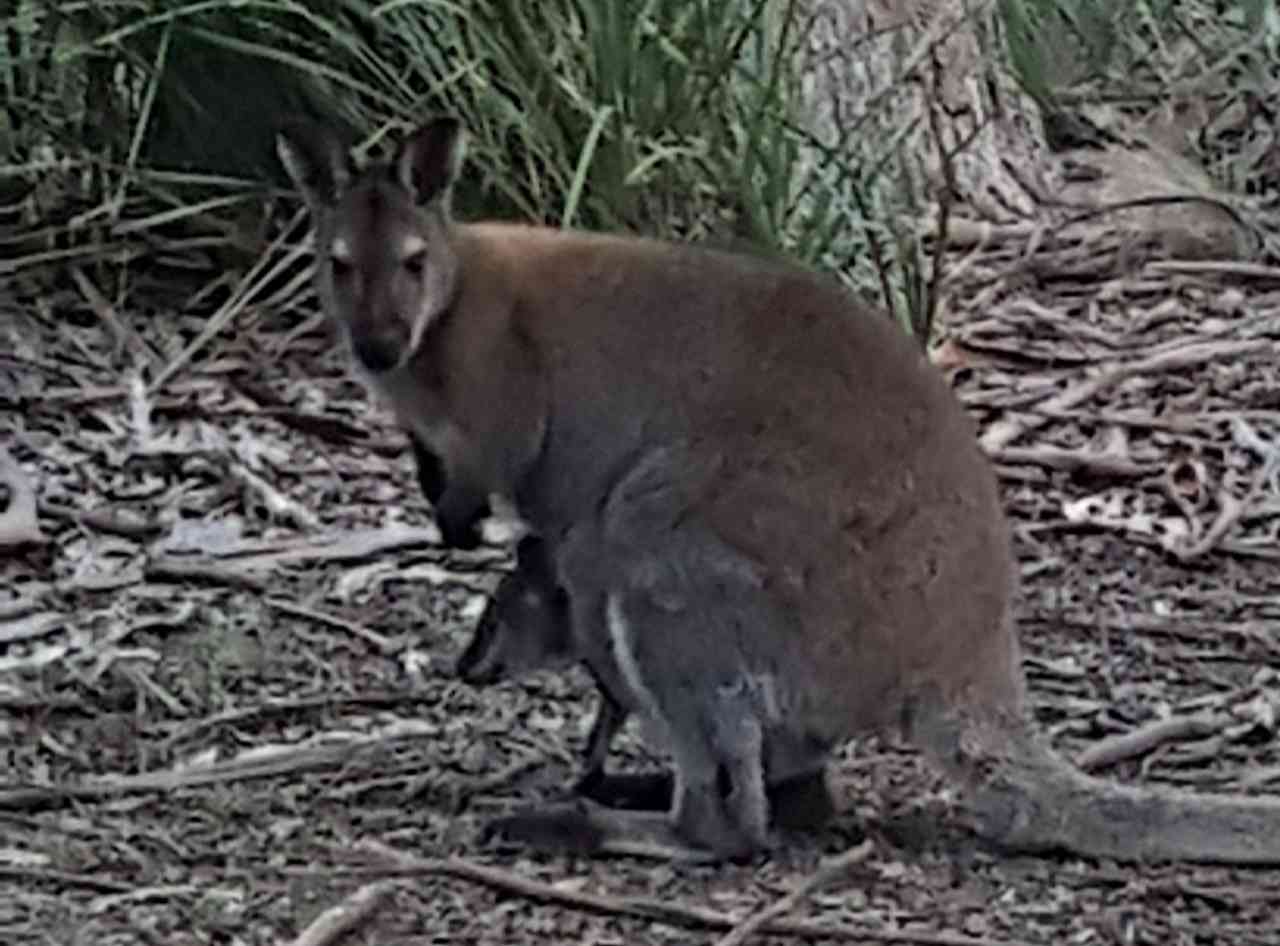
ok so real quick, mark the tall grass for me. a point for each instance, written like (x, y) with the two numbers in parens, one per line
(681, 118)
(675, 116)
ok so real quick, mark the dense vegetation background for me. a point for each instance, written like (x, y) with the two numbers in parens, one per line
(828, 129)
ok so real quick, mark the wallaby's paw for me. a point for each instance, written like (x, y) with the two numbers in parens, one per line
(464, 536)
(459, 515)
(725, 841)
(585, 828)
(632, 791)
(562, 827)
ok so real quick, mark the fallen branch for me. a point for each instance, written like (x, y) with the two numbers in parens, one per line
(123, 334)
(1230, 511)
(258, 763)
(170, 569)
(1002, 433)
(348, 545)
(1093, 462)
(343, 917)
(18, 523)
(1136, 742)
(384, 645)
(648, 908)
(287, 707)
(784, 905)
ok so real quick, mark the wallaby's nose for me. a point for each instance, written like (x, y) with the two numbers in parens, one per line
(377, 355)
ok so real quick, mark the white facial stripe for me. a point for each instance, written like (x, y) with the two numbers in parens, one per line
(412, 245)
(419, 329)
(340, 250)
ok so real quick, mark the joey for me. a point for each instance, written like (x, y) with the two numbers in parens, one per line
(526, 628)
(771, 515)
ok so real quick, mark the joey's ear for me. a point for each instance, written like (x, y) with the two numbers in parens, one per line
(429, 159)
(315, 161)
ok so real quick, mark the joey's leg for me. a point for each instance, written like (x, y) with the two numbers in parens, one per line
(430, 470)
(725, 807)
(706, 711)
(719, 805)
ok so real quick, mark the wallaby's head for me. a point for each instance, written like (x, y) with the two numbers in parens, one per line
(524, 628)
(386, 268)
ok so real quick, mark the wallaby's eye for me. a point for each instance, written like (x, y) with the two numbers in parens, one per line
(417, 263)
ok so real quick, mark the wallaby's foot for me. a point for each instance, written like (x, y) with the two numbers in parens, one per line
(802, 802)
(706, 816)
(799, 803)
(458, 516)
(431, 475)
(582, 827)
(559, 827)
(633, 791)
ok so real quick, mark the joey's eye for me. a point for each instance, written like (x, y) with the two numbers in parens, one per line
(341, 267)
(416, 264)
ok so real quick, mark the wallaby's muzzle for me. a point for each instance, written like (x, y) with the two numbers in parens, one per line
(376, 354)
(379, 338)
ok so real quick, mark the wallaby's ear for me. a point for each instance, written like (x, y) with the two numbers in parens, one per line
(429, 159)
(315, 160)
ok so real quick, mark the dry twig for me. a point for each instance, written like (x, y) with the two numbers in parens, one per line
(1136, 742)
(380, 642)
(784, 905)
(18, 522)
(343, 917)
(1230, 510)
(648, 908)
(1002, 433)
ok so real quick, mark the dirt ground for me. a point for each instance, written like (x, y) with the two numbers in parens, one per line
(226, 702)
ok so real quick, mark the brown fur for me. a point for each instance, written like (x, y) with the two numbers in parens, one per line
(779, 499)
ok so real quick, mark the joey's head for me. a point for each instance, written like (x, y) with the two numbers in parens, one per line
(524, 628)
(386, 266)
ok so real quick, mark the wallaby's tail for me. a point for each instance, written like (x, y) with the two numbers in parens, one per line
(1027, 797)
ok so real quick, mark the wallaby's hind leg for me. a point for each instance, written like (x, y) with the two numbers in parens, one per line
(638, 791)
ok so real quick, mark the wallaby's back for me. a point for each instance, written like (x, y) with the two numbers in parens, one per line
(831, 452)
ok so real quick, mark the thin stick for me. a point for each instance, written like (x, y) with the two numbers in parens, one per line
(380, 642)
(343, 917)
(647, 908)
(1231, 510)
(1136, 742)
(784, 905)
(1003, 433)
(18, 523)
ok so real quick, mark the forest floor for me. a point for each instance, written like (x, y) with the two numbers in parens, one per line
(226, 697)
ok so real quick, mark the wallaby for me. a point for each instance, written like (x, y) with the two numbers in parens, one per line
(771, 514)
(526, 627)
